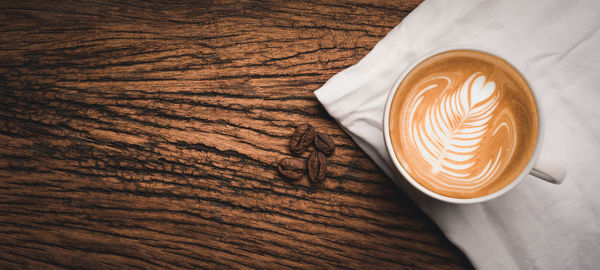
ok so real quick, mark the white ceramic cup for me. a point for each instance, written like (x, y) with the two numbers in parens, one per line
(540, 167)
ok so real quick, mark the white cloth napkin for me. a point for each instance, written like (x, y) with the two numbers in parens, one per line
(556, 44)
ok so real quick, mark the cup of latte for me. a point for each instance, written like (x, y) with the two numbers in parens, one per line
(464, 126)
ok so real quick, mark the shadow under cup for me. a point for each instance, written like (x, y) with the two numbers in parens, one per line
(462, 125)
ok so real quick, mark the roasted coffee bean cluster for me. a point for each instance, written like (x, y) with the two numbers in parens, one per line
(303, 137)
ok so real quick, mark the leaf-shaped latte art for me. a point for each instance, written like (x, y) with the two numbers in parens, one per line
(464, 139)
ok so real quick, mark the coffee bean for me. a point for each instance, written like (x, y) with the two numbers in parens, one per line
(303, 136)
(317, 166)
(324, 143)
(292, 168)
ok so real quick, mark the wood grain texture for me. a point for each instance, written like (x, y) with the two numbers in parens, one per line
(140, 134)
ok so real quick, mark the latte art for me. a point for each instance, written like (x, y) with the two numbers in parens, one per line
(448, 127)
(463, 124)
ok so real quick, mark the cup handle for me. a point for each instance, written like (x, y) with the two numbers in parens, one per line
(548, 170)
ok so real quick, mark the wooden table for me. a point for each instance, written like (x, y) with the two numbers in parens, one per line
(135, 134)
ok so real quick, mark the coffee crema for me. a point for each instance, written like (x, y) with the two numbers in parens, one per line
(463, 123)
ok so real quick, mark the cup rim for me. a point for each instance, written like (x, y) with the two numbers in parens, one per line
(398, 165)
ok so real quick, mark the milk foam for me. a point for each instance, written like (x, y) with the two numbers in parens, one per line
(462, 135)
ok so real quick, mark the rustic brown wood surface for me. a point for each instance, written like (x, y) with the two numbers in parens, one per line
(139, 134)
